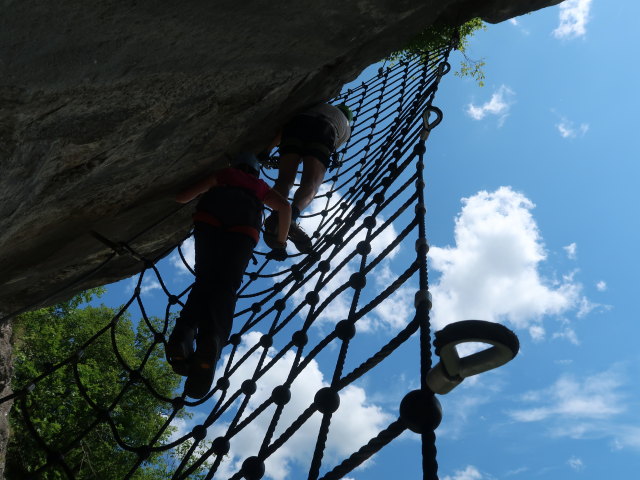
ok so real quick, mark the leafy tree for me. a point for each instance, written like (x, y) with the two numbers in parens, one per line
(438, 36)
(57, 409)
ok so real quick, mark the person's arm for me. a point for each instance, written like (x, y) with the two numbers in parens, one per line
(278, 203)
(194, 190)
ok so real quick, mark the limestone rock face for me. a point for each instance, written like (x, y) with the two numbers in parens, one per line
(108, 108)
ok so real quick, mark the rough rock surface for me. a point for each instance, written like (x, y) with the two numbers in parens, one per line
(108, 108)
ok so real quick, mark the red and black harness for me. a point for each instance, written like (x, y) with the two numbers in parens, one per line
(206, 217)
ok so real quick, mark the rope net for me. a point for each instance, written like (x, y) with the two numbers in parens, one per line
(368, 263)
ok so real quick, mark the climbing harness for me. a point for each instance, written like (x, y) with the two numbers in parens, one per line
(206, 217)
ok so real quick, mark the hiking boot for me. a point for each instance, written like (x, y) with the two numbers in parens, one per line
(179, 349)
(299, 238)
(271, 231)
(202, 368)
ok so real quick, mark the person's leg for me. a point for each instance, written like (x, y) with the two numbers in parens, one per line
(313, 171)
(312, 139)
(179, 348)
(316, 154)
(232, 256)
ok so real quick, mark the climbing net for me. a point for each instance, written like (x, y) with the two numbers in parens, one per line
(369, 211)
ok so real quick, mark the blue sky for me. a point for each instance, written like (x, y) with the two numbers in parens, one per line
(553, 127)
(531, 217)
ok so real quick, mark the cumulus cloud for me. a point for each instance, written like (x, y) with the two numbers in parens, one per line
(573, 18)
(469, 473)
(601, 286)
(353, 424)
(498, 105)
(571, 250)
(492, 272)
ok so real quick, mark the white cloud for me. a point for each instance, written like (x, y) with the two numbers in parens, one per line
(625, 436)
(518, 24)
(469, 473)
(568, 129)
(148, 285)
(189, 252)
(516, 471)
(462, 407)
(492, 271)
(601, 286)
(573, 17)
(537, 332)
(596, 397)
(467, 402)
(576, 464)
(499, 105)
(571, 250)
(569, 334)
(353, 424)
(397, 310)
(586, 306)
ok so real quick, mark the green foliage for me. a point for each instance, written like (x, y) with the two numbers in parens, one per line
(437, 37)
(57, 408)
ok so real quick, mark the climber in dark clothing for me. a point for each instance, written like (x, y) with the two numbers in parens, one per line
(310, 137)
(226, 229)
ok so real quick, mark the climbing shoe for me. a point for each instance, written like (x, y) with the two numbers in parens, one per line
(271, 231)
(299, 238)
(202, 367)
(179, 349)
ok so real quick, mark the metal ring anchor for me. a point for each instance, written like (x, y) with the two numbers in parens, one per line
(452, 369)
